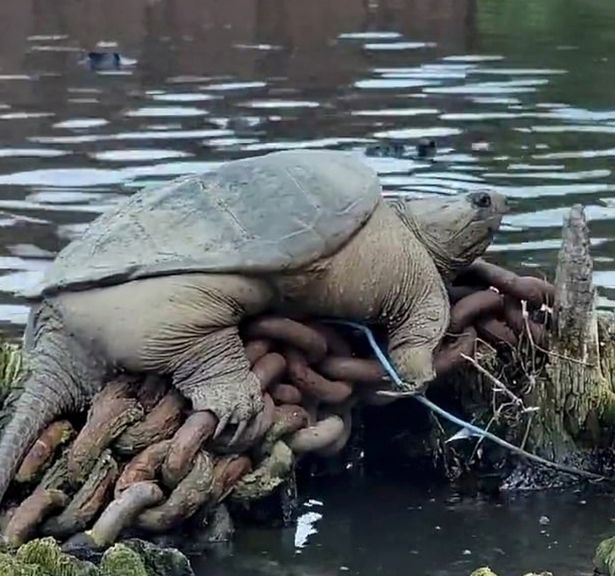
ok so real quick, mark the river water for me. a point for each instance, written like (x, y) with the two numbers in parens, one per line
(519, 95)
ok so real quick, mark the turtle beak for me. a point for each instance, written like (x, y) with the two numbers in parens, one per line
(502, 203)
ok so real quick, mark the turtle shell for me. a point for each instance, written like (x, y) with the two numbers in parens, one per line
(263, 214)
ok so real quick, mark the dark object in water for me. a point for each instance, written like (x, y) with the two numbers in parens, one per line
(426, 148)
(106, 61)
(388, 149)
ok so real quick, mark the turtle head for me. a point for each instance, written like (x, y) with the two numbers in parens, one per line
(455, 229)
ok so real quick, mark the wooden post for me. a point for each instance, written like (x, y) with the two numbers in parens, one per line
(576, 398)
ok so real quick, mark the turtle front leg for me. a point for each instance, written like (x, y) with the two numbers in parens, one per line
(413, 341)
(214, 374)
(182, 326)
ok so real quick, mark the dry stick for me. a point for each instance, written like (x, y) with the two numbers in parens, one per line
(400, 384)
(526, 435)
(528, 331)
(499, 385)
(494, 418)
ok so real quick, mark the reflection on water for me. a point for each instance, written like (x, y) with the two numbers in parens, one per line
(518, 93)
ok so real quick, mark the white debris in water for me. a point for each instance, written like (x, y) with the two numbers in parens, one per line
(467, 552)
(305, 528)
(544, 520)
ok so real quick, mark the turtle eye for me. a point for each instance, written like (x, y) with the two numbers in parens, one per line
(481, 199)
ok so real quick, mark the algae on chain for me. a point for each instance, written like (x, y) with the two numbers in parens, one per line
(267, 476)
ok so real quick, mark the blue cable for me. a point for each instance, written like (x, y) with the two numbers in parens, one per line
(475, 430)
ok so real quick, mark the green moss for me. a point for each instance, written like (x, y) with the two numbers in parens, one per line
(604, 558)
(484, 571)
(160, 561)
(44, 557)
(9, 566)
(120, 560)
(11, 368)
(46, 554)
(269, 474)
(10, 364)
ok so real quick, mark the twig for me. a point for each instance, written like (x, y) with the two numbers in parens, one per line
(494, 418)
(486, 344)
(527, 431)
(500, 386)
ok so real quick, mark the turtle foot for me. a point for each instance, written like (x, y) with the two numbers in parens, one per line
(231, 402)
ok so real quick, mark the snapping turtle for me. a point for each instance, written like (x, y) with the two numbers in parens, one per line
(161, 282)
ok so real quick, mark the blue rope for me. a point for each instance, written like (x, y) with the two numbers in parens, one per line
(475, 430)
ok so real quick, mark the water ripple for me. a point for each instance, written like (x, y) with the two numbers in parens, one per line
(81, 123)
(391, 83)
(182, 96)
(31, 153)
(137, 155)
(63, 177)
(165, 112)
(398, 45)
(518, 116)
(278, 104)
(368, 35)
(415, 133)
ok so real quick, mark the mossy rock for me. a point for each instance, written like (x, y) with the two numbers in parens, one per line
(44, 557)
(604, 558)
(9, 566)
(46, 554)
(120, 560)
(160, 561)
(484, 571)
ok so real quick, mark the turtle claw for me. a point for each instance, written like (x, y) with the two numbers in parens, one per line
(241, 427)
(222, 422)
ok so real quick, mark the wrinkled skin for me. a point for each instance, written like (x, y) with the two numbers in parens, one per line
(186, 325)
(455, 230)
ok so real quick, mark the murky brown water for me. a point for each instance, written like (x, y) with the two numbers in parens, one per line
(518, 93)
